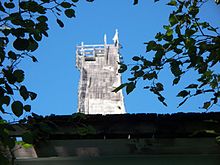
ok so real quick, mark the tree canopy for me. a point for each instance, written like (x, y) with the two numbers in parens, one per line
(187, 44)
(23, 25)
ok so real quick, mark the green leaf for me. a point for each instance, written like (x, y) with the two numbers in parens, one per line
(151, 46)
(27, 137)
(6, 100)
(9, 5)
(172, 3)
(33, 45)
(169, 32)
(38, 36)
(175, 69)
(139, 73)
(135, 2)
(32, 95)
(119, 88)
(60, 23)
(150, 76)
(173, 20)
(9, 76)
(19, 75)
(130, 87)
(192, 86)
(70, 13)
(12, 55)
(136, 58)
(159, 36)
(189, 32)
(9, 89)
(193, 11)
(27, 108)
(65, 4)
(136, 67)
(176, 80)
(23, 92)
(161, 99)
(17, 108)
(122, 68)
(21, 44)
(206, 105)
(183, 93)
(159, 87)
(42, 18)
(34, 59)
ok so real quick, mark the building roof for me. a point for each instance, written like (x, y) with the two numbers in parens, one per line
(178, 125)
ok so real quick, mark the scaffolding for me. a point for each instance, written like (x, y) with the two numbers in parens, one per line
(98, 66)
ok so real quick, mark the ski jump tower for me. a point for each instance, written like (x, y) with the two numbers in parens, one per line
(98, 66)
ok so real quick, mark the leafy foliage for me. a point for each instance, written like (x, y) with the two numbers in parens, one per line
(23, 24)
(186, 44)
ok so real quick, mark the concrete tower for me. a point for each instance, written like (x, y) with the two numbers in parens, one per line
(98, 66)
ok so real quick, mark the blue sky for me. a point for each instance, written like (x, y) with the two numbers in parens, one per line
(55, 78)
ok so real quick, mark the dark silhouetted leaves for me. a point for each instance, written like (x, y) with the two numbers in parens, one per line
(175, 69)
(42, 18)
(9, 5)
(21, 44)
(161, 99)
(150, 76)
(135, 2)
(176, 80)
(206, 105)
(8, 89)
(159, 87)
(65, 4)
(34, 59)
(172, 3)
(19, 75)
(60, 23)
(130, 87)
(122, 68)
(27, 108)
(12, 55)
(32, 95)
(119, 88)
(33, 45)
(183, 93)
(182, 102)
(192, 86)
(173, 20)
(136, 58)
(6, 100)
(70, 13)
(2, 8)
(23, 92)
(17, 108)
(135, 68)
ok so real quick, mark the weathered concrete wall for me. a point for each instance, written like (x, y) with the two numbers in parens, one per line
(179, 151)
(185, 159)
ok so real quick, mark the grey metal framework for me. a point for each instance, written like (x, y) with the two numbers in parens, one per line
(98, 66)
